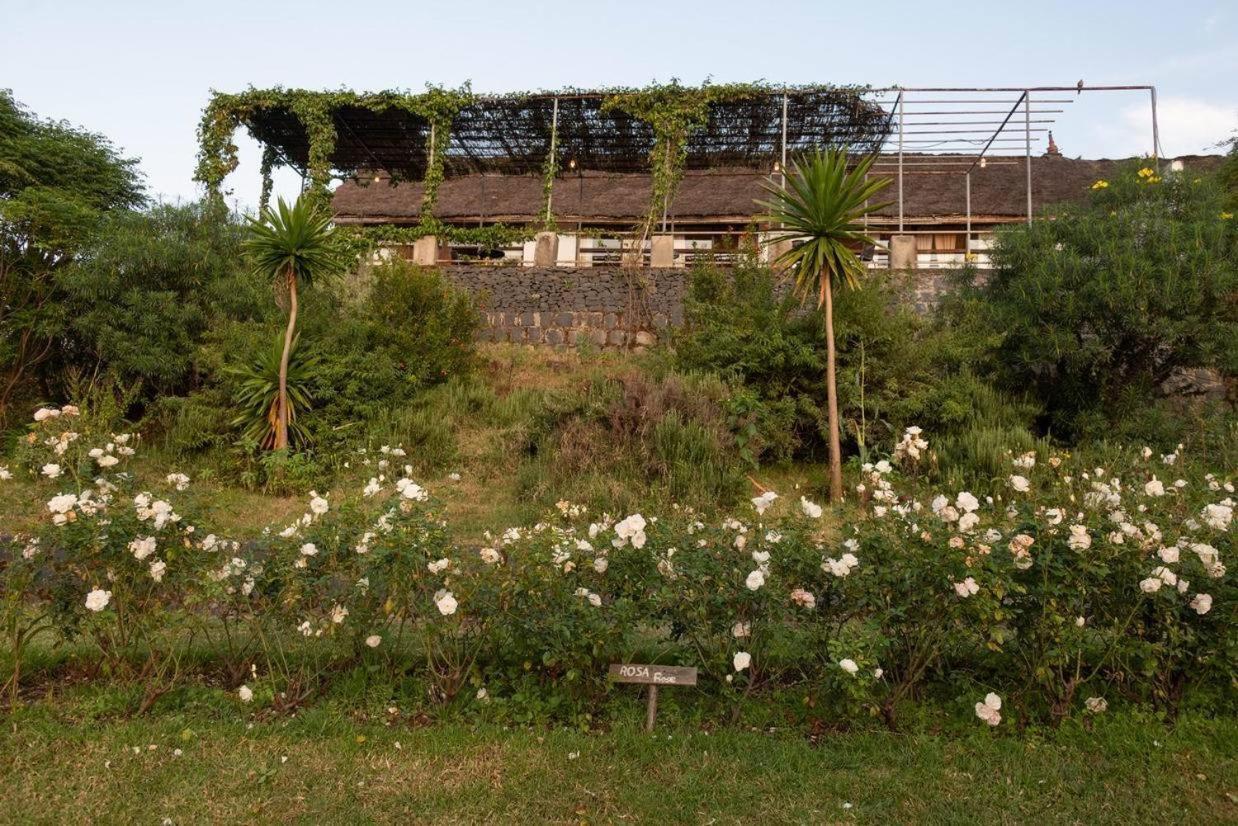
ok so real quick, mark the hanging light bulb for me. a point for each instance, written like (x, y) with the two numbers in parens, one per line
(571, 164)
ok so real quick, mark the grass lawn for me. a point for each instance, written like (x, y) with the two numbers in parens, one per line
(59, 765)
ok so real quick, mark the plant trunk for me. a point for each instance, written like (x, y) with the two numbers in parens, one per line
(831, 391)
(282, 419)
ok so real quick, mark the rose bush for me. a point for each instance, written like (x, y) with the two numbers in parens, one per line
(1053, 589)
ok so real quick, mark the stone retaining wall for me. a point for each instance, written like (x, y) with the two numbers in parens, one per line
(606, 306)
(563, 306)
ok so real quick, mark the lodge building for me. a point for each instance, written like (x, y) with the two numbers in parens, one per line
(716, 211)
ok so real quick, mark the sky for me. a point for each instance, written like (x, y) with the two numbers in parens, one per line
(141, 72)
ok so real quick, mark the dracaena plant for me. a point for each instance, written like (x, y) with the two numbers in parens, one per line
(820, 211)
(292, 246)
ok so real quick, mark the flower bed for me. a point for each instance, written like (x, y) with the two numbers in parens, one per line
(1054, 591)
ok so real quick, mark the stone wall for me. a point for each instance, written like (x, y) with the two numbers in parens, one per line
(609, 307)
(563, 306)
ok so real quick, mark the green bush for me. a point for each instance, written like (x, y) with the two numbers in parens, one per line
(1093, 311)
(633, 438)
(363, 363)
(1057, 586)
(894, 367)
(410, 332)
(141, 298)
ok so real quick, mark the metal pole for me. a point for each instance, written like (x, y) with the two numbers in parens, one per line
(665, 195)
(967, 244)
(900, 160)
(1027, 143)
(554, 140)
(1156, 136)
(991, 140)
(783, 167)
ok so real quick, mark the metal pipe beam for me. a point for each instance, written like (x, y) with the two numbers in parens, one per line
(1156, 136)
(554, 140)
(1027, 133)
(900, 161)
(1003, 126)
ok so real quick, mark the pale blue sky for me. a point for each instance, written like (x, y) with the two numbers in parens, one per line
(140, 72)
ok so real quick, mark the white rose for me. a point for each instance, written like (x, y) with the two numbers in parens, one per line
(98, 599)
(1202, 603)
(446, 602)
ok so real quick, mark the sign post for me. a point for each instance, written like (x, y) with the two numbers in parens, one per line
(652, 676)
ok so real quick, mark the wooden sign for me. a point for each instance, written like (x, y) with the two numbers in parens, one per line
(652, 676)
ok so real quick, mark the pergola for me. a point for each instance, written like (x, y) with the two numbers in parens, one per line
(517, 134)
(969, 128)
(664, 130)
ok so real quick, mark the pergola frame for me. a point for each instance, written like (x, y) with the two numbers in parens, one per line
(958, 110)
(915, 130)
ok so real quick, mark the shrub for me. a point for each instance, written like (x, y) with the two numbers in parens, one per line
(1049, 590)
(1096, 309)
(141, 298)
(632, 437)
(114, 562)
(360, 362)
(894, 367)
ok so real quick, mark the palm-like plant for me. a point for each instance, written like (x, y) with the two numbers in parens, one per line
(257, 394)
(291, 245)
(819, 211)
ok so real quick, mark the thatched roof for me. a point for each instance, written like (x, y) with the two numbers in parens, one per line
(719, 195)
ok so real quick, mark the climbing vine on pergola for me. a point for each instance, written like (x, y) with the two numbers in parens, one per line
(427, 136)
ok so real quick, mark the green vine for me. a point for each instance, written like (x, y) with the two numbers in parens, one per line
(550, 171)
(216, 150)
(225, 113)
(672, 110)
(439, 107)
(491, 237)
(268, 164)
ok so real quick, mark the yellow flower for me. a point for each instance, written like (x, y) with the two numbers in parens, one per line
(1100, 185)
(1225, 216)
(1146, 172)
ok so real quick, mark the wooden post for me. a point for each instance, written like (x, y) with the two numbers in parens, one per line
(652, 676)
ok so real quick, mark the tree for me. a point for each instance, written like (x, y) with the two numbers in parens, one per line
(57, 182)
(819, 212)
(1100, 310)
(291, 246)
(143, 295)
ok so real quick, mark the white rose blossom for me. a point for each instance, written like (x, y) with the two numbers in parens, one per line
(446, 603)
(990, 710)
(98, 599)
